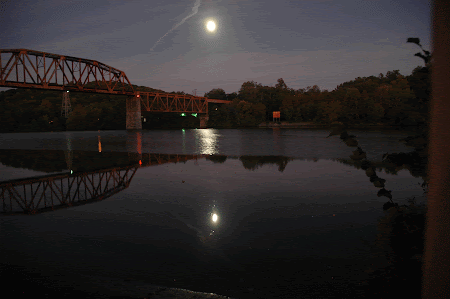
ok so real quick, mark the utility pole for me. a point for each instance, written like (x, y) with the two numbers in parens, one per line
(194, 92)
(66, 108)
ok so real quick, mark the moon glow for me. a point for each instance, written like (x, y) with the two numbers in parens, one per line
(211, 26)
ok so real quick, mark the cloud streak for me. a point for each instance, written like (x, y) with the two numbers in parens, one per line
(194, 12)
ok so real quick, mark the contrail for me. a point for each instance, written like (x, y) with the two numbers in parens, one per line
(194, 12)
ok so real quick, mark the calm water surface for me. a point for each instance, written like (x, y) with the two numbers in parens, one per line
(253, 214)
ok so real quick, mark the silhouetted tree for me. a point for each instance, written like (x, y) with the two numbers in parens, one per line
(216, 93)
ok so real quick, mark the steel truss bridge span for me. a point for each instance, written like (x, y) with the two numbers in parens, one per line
(169, 102)
(24, 68)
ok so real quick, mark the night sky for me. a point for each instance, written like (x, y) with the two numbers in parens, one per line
(164, 44)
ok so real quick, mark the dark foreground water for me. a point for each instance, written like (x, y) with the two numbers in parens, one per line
(243, 213)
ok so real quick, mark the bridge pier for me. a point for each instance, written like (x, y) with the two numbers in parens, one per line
(204, 120)
(134, 113)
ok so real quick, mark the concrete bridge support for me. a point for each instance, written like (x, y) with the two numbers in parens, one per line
(134, 113)
(204, 120)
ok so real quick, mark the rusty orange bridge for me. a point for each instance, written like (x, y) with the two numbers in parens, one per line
(23, 68)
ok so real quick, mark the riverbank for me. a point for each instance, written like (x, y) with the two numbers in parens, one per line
(265, 125)
(311, 125)
(284, 125)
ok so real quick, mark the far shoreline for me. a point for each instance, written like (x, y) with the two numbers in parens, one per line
(268, 125)
(311, 125)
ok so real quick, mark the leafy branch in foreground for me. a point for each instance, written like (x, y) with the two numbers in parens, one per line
(417, 157)
(340, 129)
(427, 56)
(403, 226)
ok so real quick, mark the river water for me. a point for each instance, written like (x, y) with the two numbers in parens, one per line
(245, 213)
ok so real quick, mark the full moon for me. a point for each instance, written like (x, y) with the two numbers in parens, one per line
(211, 26)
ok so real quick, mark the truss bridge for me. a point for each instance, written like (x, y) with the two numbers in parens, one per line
(24, 68)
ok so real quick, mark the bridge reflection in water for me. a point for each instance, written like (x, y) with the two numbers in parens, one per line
(53, 192)
(105, 174)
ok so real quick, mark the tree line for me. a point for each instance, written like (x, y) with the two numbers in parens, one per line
(392, 99)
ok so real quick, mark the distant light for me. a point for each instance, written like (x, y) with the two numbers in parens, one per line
(194, 114)
(140, 162)
(182, 114)
(71, 171)
(214, 217)
(67, 91)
